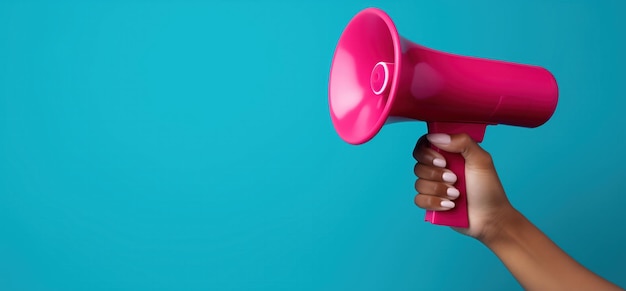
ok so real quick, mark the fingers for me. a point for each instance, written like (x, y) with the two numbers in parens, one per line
(474, 155)
(431, 188)
(434, 183)
(435, 189)
(426, 155)
(433, 173)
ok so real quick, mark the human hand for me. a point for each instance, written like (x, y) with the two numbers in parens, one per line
(533, 259)
(486, 200)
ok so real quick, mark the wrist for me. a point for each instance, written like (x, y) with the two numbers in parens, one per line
(499, 230)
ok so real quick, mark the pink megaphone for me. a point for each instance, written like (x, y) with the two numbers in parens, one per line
(377, 76)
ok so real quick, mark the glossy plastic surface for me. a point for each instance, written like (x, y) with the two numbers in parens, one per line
(427, 85)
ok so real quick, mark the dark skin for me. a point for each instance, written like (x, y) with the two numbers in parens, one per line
(534, 260)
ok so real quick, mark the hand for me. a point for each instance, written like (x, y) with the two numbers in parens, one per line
(533, 259)
(486, 199)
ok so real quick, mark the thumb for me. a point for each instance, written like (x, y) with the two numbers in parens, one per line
(462, 143)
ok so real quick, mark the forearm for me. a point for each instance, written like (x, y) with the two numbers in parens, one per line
(535, 261)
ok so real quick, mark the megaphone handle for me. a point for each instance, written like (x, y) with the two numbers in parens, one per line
(457, 216)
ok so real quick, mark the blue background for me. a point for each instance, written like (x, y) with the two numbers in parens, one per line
(187, 145)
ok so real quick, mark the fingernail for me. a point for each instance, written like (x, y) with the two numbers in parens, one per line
(447, 204)
(453, 192)
(439, 138)
(449, 177)
(439, 162)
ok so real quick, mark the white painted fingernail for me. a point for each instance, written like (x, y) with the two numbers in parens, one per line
(439, 162)
(447, 204)
(453, 192)
(449, 177)
(439, 138)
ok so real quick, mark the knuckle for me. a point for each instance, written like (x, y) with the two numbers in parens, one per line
(421, 171)
(487, 156)
(428, 172)
(440, 188)
(483, 157)
(464, 138)
(417, 200)
(429, 187)
(419, 146)
(422, 201)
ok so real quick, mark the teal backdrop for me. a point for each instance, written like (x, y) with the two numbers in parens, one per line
(187, 145)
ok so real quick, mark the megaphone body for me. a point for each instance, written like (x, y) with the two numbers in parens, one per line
(377, 77)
